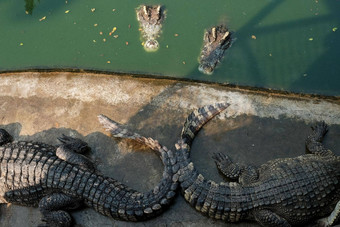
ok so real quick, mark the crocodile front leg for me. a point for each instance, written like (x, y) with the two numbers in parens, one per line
(52, 208)
(71, 151)
(244, 174)
(268, 218)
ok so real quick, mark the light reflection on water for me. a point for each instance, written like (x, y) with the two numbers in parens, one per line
(282, 44)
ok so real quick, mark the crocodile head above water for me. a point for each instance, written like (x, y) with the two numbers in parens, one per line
(150, 20)
(215, 41)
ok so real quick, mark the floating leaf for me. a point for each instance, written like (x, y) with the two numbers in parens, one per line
(108, 62)
(253, 36)
(21, 44)
(95, 25)
(67, 11)
(311, 39)
(176, 35)
(93, 9)
(113, 30)
(115, 36)
(43, 18)
(334, 29)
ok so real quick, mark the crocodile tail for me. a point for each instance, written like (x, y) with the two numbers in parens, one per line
(140, 206)
(198, 118)
(206, 196)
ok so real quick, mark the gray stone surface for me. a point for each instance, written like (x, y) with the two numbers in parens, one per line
(256, 128)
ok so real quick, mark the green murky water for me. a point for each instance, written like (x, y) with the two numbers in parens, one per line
(280, 44)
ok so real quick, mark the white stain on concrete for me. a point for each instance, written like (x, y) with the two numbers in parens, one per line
(114, 90)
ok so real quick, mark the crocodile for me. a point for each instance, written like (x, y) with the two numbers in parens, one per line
(282, 192)
(150, 20)
(61, 178)
(215, 41)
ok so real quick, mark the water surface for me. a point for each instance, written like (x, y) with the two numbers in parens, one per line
(279, 44)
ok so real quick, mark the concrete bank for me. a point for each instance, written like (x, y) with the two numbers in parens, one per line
(257, 127)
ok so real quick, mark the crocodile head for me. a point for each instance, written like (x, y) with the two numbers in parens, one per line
(151, 15)
(151, 45)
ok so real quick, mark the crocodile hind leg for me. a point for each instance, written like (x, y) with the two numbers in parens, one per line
(244, 174)
(52, 208)
(333, 218)
(268, 218)
(71, 151)
(313, 141)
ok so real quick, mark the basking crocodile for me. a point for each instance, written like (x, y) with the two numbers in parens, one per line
(58, 179)
(150, 20)
(282, 192)
(215, 41)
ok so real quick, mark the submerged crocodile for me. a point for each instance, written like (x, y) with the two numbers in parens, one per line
(282, 192)
(215, 41)
(150, 20)
(58, 179)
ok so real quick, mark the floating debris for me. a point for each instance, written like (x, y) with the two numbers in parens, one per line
(113, 30)
(108, 62)
(104, 40)
(93, 9)
(94, 41)
(113, 10)
(95, 25)
(215, 41)
(21, 44)
(176, 35)
(253, 36)
(311, 39)
(115, 36)
(184, 62)
(334, 29)
(67, 11)
(100, 33)
(43, 18)
(150, 21)
(126, 43)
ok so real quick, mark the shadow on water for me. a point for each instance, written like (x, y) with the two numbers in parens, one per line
(29, 5)
(323, 73)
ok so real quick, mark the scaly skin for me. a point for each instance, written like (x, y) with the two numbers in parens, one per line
(59, 178)
(215, 41)
(150, 20)
(282, 192)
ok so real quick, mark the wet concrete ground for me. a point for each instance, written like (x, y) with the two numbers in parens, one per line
(256, 128)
